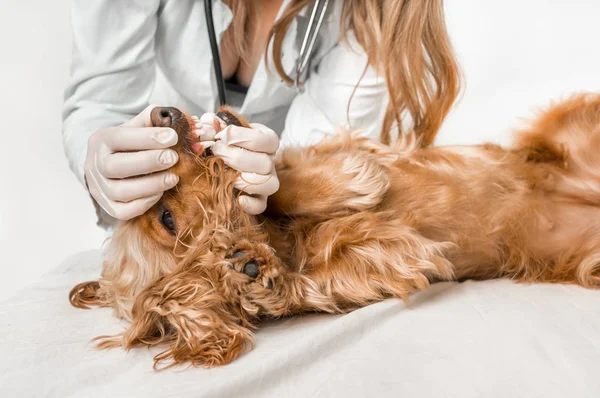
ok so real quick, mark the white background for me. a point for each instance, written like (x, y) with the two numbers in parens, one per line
(516, 55)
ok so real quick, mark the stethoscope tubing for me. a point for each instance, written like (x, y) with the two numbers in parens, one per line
(214, 49)
(308, 43)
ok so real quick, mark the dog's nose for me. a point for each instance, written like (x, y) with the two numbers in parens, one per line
(164, 116)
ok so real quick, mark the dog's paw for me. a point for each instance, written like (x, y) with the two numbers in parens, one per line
(242, 262)
(256, 261)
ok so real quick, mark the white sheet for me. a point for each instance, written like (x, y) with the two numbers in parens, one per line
(474, 339)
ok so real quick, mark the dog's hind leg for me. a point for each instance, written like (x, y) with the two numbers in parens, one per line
(563, 130)
(323, 185)
(566, 138)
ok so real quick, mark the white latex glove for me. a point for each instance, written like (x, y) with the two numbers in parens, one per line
(247, 150)
(124, 166)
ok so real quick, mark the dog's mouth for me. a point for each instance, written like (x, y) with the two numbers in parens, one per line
(185, 126)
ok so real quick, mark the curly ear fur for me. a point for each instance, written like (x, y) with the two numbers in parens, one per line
(206, 339)
(199, 336)
(85, 295)
(131, 263)
(185, 313)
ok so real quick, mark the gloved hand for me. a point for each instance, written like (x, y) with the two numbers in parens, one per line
(124, 166)
(248, 150)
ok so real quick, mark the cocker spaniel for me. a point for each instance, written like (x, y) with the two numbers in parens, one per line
(354, 222)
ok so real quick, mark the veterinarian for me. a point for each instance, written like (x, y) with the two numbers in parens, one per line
(297, 69)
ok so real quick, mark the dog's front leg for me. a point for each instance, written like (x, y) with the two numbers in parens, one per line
(351, 276)
(268, 288)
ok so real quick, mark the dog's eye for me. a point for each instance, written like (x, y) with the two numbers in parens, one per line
(166, 218)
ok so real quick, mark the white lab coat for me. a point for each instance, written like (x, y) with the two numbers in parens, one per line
(118, 47)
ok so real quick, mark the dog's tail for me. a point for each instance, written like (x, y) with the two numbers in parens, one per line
(85, 295)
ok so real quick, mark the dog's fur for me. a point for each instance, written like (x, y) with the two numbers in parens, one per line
(354, 222)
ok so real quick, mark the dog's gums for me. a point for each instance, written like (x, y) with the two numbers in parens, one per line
(354, 222)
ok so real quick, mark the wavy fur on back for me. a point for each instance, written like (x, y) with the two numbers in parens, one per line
(354, 222)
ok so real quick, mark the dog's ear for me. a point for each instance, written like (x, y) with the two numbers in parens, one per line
(203, 338)
(85, 295)
(187, 315)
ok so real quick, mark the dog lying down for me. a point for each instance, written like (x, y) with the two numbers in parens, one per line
(354, 222)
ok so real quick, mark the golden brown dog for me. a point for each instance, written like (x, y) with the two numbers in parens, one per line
(354, 222)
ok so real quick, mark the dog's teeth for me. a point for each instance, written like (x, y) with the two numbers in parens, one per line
(199, 129)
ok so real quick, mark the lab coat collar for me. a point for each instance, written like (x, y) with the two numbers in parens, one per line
(263, 81)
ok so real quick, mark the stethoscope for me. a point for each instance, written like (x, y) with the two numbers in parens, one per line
(308, 43)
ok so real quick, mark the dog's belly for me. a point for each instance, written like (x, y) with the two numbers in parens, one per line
(551, 234)
(480, 203)
(566, 227)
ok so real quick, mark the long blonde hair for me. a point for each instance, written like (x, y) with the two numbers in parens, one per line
(405, 40)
